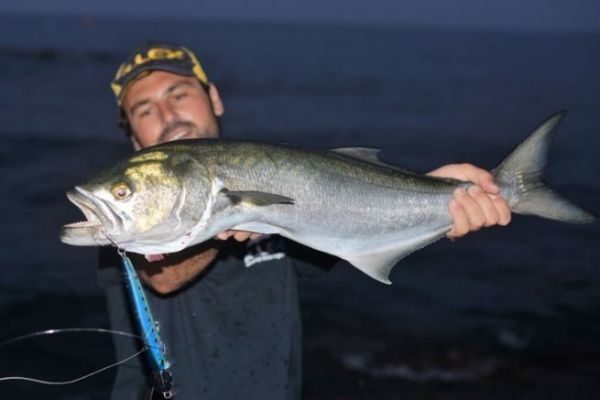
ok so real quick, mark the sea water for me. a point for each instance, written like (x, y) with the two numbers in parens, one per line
(504, 312)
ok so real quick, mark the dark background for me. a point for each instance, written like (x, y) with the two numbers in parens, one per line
(505, 312)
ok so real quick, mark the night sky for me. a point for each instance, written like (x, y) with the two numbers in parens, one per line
(537, 15)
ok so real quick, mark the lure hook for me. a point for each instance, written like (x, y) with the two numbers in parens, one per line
(121, 251)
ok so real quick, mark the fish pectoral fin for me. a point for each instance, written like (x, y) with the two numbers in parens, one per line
(378, 262)
(251, 198)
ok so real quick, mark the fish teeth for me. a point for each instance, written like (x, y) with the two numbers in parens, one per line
(83, 224)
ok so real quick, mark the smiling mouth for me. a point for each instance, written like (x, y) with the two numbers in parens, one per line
(182, 134)
(177, 131)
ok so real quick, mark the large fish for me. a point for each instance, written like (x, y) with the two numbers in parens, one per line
(343, 202)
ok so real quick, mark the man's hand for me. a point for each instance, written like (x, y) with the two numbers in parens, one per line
(240, 236)
(480, 206)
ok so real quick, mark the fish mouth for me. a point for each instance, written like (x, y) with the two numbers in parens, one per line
(101, 220)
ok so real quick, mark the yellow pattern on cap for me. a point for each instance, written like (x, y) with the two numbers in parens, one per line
(154, 54)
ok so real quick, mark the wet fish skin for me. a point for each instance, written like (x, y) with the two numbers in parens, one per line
(343, 202)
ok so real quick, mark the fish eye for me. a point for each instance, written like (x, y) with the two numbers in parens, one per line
(121, 191)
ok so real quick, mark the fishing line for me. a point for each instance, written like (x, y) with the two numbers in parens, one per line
(149, 327)
(70, 330)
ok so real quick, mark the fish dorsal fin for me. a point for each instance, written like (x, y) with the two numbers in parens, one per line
(378, 262)
(368, 154)
(254, 198)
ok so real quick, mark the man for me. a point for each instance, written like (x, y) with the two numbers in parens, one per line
(232, 332)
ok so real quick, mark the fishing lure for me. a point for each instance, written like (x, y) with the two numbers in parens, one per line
(149, 335)
(149, 329)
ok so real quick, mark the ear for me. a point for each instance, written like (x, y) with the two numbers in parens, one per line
(215, 100)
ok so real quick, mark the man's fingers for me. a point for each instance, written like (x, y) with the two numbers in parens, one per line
(481, 206)
(480, 177)
(504, 213)
(460, 220)
(255, 236)
(470, 173)
(240, 236)
(224, 235)
(485, 204)
(488, 184)
(472, 209)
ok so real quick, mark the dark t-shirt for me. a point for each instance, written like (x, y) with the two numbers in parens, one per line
(234, 333)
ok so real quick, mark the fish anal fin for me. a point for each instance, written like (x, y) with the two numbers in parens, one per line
(378, 263)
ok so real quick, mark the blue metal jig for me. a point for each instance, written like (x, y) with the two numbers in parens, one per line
(149, 329)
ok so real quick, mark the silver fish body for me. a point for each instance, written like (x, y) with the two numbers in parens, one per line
(343, 202)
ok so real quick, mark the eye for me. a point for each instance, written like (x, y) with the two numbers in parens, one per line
(121, 191)
(144, 112)
(180, 95)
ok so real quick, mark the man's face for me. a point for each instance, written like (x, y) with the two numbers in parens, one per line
(163, 106)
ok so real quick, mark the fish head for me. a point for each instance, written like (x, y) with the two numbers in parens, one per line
(139, 205)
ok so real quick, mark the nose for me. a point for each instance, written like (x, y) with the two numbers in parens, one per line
(167, 112)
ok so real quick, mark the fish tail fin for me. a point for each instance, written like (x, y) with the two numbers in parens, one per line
(522, 184)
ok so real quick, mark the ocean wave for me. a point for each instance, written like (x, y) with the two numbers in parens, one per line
(469, 371)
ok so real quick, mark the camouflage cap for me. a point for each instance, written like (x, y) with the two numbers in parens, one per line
(151, 57)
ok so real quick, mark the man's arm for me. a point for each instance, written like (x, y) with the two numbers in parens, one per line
(480, 206)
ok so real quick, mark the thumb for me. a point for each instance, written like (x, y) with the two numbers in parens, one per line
(487, 183)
